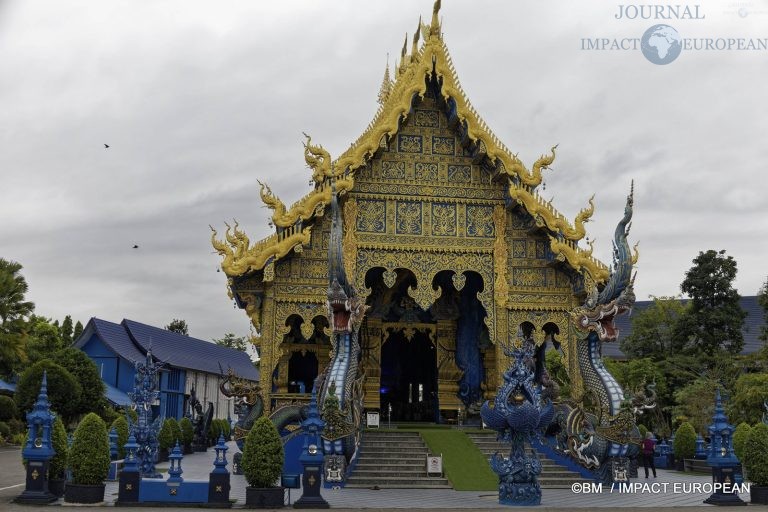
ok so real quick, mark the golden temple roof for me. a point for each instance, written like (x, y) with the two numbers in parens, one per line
(430, 59)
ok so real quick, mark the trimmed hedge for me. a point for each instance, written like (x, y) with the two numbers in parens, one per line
(89, 456)
(64, 390)
(685, 441)
(7, 408)
(165, 436)
(187, 430)
(263, 454)
(176, 434)
(121, 427)
(756, 455)
(739, 438)
(58, 465)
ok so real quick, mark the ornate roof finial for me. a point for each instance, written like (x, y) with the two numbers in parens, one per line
(434, 28)
(415, 46)
(403, 54)
(386, 85)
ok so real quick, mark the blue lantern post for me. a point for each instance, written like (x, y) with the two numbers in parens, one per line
(726, 468)
(218, 480)
(39, 450)
(311, 459)
(130, 476)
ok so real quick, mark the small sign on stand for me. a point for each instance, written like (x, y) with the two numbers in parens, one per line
(372, 419)
(435, 465)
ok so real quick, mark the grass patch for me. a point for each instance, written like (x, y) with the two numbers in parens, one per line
(464, 465)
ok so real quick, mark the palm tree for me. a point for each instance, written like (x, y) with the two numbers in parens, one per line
(14, 311)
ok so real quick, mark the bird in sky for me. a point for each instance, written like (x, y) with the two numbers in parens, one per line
(135, 246)
(106, 146)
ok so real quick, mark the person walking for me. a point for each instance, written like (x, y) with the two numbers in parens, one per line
(647, 450)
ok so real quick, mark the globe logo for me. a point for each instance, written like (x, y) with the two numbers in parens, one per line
(661, 44)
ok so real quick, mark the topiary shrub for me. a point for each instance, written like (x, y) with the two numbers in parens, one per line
(187, 430)
(5, 431)
(739, 438)
(121, 427)
(7, 408)
(176, 434)
(63, 389)
(19, 439)
(165, 436)
(756, 455)
(58, 465)
(685, 441)
(89, 456)
(263, 454)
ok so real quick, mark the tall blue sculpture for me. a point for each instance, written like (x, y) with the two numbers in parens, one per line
(38, 450)
(519, 412)
(145, 429)
(726, 468)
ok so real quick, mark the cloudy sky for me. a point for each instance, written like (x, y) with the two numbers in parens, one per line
(198, 100)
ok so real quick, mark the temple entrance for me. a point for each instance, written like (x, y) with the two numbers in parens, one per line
(409, 376)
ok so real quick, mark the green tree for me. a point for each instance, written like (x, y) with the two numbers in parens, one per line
(7, 408)
(696, 401)
(165, 436)
(44, 338)
(713, 322)
(263, 454)
(652, 329)
(685, 441)
(756, 455)
(78, 363)
(66, 331)
(762, 299)
(178, 326)
(77, 331)
(64, 390)
(749, 393)
(231, 341)
(89, 456)
(14, 311)
(740, 438)
(121, 427)
(187, 430)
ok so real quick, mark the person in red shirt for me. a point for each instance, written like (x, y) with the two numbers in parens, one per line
(647, 452)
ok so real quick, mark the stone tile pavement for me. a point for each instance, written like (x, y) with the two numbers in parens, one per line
(680, 491)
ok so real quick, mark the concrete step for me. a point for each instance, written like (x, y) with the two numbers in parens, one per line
(395, 482)
(398, 486)
(386, 454)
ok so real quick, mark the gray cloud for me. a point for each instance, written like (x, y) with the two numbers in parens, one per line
(198, 103)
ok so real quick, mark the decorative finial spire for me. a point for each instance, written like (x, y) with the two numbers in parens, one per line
(403, 55)
(42, 403)
(386, 85)
(415, 46)
(434, 28)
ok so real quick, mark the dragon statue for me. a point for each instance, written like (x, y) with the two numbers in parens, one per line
(605, 436)
(249, 406)
(521, 410)
(341, 384)
(200, 421)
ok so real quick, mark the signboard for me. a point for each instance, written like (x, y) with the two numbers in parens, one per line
(435, 465)
(372, 419)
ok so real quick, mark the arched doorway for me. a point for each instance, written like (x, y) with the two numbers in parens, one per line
(409, 376)
(302, 372)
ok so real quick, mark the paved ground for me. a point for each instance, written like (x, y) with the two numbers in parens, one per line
(197, 466)
(11, 473)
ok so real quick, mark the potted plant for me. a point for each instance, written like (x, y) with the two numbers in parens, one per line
(756, 462)
(685, 444)
(89, 461)
(121, 427)
(57, 469)
(262, 465)
(165, 441)
(187, 434)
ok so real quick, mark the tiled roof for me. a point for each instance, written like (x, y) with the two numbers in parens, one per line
(131, 340)
(751, 330)
(115, 396)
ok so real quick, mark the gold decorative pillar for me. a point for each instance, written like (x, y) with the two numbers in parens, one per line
(448, 373)
(372, 340)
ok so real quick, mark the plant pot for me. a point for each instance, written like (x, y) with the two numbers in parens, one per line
(269, 497)
(759, 494)
(56, 487)
(78, 493)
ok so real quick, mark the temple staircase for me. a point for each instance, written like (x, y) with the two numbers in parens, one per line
(553, 475)
(393, 460)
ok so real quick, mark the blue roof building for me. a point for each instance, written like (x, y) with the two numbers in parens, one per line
(189, 363)
(754, 321)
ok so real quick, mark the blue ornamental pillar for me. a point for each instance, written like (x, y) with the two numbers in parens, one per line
(311, 459)
(130, 476)
(175, 471)
(39, 450)
(218, 480)
(726, 469)
(701, 451)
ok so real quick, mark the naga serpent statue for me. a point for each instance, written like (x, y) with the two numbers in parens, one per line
(602, 438)
(249, 406)
(340, 387)
(521, 410)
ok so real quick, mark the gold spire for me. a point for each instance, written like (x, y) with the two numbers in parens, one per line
(434, 28)
(415, 46)
(386, 85)
(403, 54)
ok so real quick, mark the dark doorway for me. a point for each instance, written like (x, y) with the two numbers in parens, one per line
(409, 377)
(302, 372)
